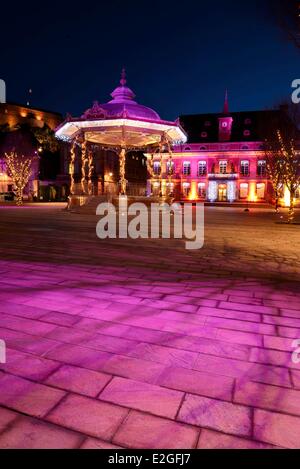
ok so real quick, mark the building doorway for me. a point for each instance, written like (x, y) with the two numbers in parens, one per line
(222, 193)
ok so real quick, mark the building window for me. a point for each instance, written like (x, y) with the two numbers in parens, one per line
(244, 191)
(248, 121)
(156, 188)
(156, 168)
(170, 167)
(223, 167)
(186, 169)
(203, 134)
(245, 147)
(201, 190)
(170, 188)
(186, 187)
(207, 124)
(247, 133)
(187, 149)
(203, 148)
(261, 168)
(202, 168)
(260, 191)
(245, 168)
(224, 125)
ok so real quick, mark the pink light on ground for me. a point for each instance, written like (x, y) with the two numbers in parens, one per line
(140, 344)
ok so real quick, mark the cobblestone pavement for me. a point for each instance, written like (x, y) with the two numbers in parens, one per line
(142, 344)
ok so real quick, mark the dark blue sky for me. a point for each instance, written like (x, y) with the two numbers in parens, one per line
(179, 56)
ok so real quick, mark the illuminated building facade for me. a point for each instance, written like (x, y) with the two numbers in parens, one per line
(222, 161)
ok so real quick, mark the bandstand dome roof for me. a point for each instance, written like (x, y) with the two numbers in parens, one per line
(122, 105)
(121, 122)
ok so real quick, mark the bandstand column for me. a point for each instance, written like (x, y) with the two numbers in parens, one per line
(90, 171)
(122, 162)
(72, 167)
(84, 162)
(150, 172)
(161, 172)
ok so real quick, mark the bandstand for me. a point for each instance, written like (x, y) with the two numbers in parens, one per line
(120, 126)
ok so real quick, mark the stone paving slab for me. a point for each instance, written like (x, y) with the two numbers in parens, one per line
(142, 344)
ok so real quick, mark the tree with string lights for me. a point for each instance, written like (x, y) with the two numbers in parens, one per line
(290, 162)
(282, 153)
(19, 169)
(275, 168)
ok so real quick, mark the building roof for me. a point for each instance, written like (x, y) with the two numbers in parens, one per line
(29, 108)
(247, 126)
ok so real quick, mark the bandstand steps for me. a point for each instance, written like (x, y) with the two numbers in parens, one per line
(90, 207)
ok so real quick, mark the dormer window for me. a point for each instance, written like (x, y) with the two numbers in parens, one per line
(225, 128)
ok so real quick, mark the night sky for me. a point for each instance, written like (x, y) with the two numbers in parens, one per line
(179, 56)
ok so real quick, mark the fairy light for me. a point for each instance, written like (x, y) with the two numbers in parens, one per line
(19, 169)
(122, 161)
(90, 171)
(72, 168)
(84, 162)
(231, 191)
(212, 191)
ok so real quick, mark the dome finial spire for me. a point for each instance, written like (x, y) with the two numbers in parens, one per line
(123, 77)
